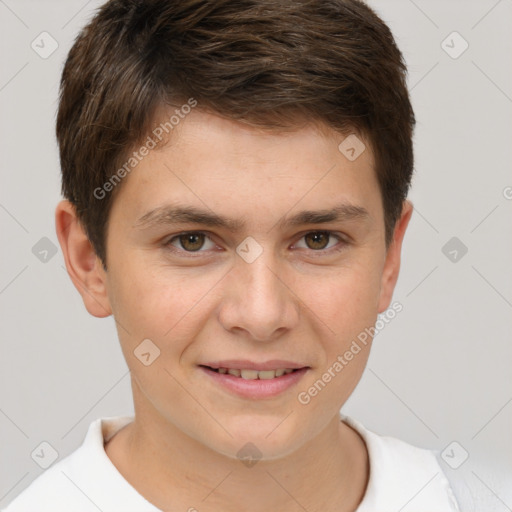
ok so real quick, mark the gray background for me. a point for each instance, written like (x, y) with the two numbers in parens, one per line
(439, 372)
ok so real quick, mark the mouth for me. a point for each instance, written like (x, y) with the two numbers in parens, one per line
(255, 381)
(251, 374)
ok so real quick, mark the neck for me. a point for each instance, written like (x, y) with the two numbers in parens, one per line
(174, 471)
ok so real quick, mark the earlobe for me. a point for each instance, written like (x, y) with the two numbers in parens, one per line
(83, 265)
(392, 263)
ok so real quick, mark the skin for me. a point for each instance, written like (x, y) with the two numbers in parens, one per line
(293, 302)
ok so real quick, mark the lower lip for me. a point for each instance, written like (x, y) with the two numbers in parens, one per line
(257, 388)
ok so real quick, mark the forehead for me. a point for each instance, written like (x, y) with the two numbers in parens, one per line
(207, 160)
(201, 130)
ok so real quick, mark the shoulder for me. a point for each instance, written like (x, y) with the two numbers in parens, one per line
(402, 474)
(59, 480)
(85, 480)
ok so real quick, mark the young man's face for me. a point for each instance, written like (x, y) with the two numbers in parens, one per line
(272, 288)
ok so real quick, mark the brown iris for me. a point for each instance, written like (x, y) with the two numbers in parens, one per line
(192, 241)
(317, 239)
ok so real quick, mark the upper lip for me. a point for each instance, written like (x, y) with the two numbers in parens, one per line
(243, 364)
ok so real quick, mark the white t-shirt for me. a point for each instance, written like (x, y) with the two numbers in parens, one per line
(401, 477)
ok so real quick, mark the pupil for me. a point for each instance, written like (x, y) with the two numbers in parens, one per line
(192, 242)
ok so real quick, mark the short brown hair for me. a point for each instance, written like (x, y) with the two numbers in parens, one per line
(266, 63)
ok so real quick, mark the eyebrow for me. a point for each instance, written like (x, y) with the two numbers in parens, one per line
(169, 214)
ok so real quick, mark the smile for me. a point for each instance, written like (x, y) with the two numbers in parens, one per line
(253, 374)
(254, 383)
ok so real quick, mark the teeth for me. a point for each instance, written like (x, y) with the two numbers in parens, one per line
(266, 374)
(249, 374)
(255, 374)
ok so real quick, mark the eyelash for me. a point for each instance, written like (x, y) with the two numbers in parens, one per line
(342, 242)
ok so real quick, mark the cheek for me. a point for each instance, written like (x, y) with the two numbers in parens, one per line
(160, 303)
(346, 301)
(346, 305)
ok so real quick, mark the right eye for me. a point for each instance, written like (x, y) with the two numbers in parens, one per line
(192, 241)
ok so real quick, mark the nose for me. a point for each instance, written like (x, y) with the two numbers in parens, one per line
(258, 300)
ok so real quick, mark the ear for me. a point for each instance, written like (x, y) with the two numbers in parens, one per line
(83, 265)
(392, 263)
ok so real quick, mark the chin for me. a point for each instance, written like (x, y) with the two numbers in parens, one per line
(259, 438)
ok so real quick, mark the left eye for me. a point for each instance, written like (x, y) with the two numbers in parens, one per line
(191, 242)
(318, 240)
